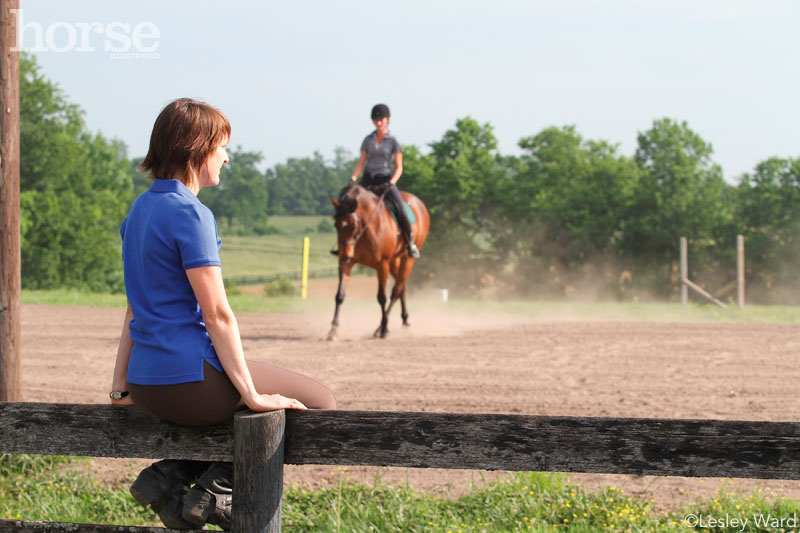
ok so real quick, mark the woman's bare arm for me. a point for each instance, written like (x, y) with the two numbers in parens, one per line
(120, 380)
(223, 329)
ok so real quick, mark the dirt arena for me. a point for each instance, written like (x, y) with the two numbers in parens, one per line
(453, 362)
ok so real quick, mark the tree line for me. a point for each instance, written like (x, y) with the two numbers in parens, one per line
(568, 215)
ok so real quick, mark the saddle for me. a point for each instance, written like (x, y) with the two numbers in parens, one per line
(379, 190)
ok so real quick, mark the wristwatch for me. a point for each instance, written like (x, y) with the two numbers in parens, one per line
(117, 395)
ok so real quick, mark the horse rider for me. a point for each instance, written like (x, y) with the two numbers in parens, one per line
(378, 150)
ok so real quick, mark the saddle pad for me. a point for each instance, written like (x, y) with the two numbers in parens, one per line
(409, 213)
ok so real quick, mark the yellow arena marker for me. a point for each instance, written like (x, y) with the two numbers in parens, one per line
(304, 276)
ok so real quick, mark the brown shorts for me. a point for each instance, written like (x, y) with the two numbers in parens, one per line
(215, 399)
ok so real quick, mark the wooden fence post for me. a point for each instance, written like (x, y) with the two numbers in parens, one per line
(740, 271)
(684, 271)
(10, 322)
(258, 471)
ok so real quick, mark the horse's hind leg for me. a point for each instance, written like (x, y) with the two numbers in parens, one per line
(395, 295)
(399, 294)
(399, 290)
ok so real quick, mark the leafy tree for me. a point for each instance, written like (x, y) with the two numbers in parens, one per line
(303, 186)
(768, 214)
(681, 193)
(563, 205)
(575, 192)
(141, 180)
(456, 182)
(75, 187)
(242, 192)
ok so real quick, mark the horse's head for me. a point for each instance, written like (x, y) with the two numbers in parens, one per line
(349, 225)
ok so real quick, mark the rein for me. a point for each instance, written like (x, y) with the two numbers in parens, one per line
(354, 240)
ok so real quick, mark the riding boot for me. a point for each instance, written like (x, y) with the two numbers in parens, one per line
(399, 207)
(211, 498)
(163, 485)
(413, 251)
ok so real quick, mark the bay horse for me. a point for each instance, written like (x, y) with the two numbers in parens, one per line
(369, 236)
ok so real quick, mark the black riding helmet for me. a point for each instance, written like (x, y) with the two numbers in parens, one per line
(380, 111)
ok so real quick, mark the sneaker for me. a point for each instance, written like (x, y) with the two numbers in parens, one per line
(162, 485)
(413, 251)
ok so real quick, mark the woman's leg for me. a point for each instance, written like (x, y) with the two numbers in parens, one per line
(271, 379)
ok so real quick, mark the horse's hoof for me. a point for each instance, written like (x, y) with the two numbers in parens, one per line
(405, 323)
(332, 335)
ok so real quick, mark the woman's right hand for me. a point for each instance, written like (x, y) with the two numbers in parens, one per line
(272, 402)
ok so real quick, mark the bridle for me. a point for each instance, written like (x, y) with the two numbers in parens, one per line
(354, 240)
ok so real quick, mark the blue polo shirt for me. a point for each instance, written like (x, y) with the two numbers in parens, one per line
(167, 231)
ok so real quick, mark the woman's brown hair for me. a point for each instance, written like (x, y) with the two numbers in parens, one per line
(184, 136)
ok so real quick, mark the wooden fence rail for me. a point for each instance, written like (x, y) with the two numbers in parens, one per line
(260, 443)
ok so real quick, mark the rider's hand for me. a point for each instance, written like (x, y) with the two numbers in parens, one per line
(272, 402)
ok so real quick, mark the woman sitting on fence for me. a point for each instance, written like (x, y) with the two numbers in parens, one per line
(180, 356)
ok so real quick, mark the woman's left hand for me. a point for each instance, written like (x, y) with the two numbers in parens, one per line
(123, 401)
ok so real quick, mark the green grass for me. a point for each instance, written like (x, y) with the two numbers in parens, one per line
(299, 225)
(243, 302)
(59, 489)
(73, 297)
(48, 488)
(270, 255)
(612, 311)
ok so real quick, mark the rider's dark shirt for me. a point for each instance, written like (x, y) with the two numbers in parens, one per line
(380, 157)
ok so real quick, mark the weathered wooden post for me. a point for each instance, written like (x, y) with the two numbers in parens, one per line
(740, 271)
(258, 471)
(10, 323)
(684, 271)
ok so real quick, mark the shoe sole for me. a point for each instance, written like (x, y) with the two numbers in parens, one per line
(146, 490)
(194, 510)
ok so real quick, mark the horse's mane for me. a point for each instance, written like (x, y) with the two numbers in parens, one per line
(348, 200)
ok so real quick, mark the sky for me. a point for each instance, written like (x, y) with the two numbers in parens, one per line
(300, 76)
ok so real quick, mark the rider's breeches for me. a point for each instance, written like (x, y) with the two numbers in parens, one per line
(396, 204)
(216, 400)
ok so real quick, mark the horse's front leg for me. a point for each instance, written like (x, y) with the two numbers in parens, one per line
(383, 274)
(344, 278)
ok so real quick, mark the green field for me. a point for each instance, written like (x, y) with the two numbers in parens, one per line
(281, 254)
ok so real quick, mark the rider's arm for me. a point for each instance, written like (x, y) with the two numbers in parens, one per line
(223, 329)
(359, 166)
(398, 167)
